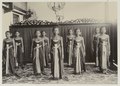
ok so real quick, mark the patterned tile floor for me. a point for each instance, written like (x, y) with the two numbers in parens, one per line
(91, 76)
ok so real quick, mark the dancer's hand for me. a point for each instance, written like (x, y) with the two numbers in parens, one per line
(17, 44)
(9, 47)
(14, 54)
(22, 50)
(84, 54)
(4, 61)
(109, 53)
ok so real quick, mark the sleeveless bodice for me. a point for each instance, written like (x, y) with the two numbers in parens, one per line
(70, 40)
(56, 42)
(35, 43)
(45, 41)
(103, 41)
(18, 41)
(77, 42)
(10, 43)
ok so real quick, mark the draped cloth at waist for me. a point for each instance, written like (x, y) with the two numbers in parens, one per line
(56, 61)
(70, 54)
(103, 55)
(9, 59)
(37, 58)
(78, 58)
(103, 46)
(78, 46)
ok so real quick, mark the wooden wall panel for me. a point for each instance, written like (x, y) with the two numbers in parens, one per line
(86, 29)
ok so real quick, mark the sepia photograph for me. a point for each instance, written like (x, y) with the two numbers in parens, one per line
(59, 42)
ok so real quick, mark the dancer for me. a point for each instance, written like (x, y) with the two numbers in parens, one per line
(9, 55)
(104, 50)
(46, 49)
(70, 42)
(95, 45)
(57, 54)
(19, 47)
(79, 53)
(37, 54)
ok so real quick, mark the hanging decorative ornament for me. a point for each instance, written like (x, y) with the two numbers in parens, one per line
(28, 13)
(56, 7)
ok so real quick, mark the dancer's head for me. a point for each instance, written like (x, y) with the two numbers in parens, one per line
(103, 30)
(70, 31)
(8, 34)
(55, 30)
(17, 33)
(43, 33)
(78, 32)
(97, 30)
(37, 33)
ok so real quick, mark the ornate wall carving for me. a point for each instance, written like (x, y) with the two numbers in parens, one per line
(41, 22)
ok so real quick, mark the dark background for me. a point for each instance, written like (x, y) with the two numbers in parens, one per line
(27, 32)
